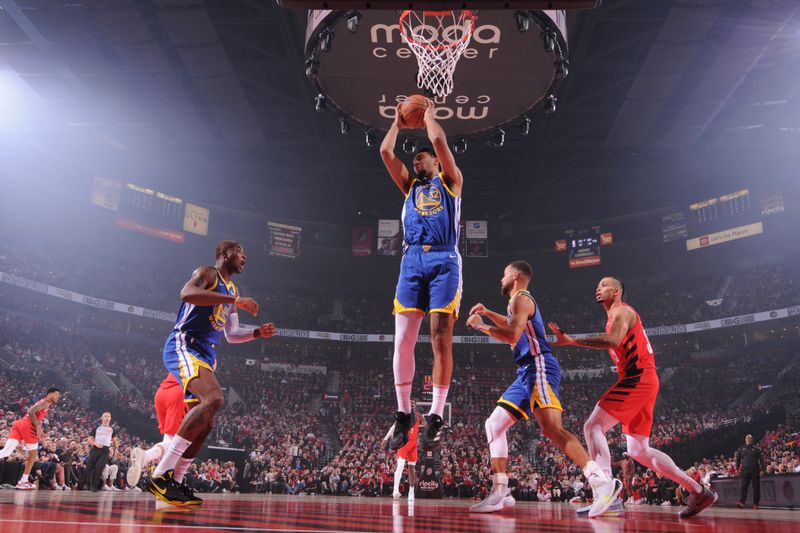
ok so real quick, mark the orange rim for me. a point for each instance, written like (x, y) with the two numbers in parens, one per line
(464, 14)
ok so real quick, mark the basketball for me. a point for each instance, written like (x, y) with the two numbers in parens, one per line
(412, 111)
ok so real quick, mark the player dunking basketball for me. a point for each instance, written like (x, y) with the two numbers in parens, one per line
(430, 271)
(407, 455)
(631, 400)
(28, 430)
(210, 300)
(533, 393)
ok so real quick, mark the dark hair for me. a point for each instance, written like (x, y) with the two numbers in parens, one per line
(523, 267)
(53, 389)
(427, 150)
(224, 246)
(621, 287)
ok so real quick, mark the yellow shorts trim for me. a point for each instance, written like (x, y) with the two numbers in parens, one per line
(452, 307)
(188, 374)
(538, 401)
(400, 308)
(517, 408)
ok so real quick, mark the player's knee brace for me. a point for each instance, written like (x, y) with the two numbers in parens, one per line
(496, 436)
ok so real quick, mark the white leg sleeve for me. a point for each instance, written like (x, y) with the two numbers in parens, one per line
(661, 463)
(398, 473)
(595, 429)
(406, 330)
(8, 449)
(496, 426)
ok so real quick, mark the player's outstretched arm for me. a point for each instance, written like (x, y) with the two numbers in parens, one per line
(452, 174)
(511, 330)
(197, 291)
(622, 318)
(397, 169)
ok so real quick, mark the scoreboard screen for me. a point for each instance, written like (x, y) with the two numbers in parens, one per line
(283, 240)
(152, 207)
(584, 247)
(723, 209)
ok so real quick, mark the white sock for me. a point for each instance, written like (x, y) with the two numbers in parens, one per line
(172, 455)
(406, 330)
(8, 449)
(398, 474)
(153, 454)
(181, 468)
(24, 478)
(439, 399)
(500, 481)
(593, 469)
(403, 393)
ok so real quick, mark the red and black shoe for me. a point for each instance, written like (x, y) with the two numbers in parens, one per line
(697, 502)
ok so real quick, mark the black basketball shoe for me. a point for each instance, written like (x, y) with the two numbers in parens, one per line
(433, 429)
(165, 489)
(402, 423)
(189, 493)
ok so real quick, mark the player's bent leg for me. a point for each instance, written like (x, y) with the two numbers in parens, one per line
(8, 449)
(606, 493)
(604, 489)
(699, 497)
(597, 425)
(193, 429)
(24, 483)
(496, 427)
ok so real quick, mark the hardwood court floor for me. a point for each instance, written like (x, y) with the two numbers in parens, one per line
(68, 512)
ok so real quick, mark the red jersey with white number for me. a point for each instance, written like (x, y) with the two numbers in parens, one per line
(634, 355)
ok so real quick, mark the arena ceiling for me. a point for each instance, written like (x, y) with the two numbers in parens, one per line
(666, 101)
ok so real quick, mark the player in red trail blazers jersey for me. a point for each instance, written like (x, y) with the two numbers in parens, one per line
(631, 400)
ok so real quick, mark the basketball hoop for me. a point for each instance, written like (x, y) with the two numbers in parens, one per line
(438, 39)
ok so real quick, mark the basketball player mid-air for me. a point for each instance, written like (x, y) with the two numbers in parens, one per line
(210, 300)
(534, 392)
(407, 455)
(631, 400)
(430, 270)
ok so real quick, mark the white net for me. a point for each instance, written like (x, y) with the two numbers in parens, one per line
(438, 39)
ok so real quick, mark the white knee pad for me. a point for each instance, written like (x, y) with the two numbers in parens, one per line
(496, 426)
(166, 441)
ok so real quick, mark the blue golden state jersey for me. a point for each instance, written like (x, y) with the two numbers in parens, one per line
(431, 214)
(206, 323)
(533, 341)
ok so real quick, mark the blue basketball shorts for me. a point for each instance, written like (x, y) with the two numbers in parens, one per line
(536, 386)
(429, 281)
(184, 356)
